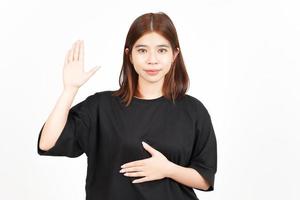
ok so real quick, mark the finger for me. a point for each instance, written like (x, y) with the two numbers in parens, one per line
(140, 180)
(73, 51)
(93, 71)
(132, 169)
(66, 58)
(134, 163)
(81, 51)
(76, 50)
(150, 149)
(70, 56)
(135, 174)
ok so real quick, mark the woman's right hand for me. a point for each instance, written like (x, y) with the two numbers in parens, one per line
(74, 75)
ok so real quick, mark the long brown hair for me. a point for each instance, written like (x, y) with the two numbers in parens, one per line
(176, 81)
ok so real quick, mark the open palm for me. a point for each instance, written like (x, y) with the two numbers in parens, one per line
(74, 75)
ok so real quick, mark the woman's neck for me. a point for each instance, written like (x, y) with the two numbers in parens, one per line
(149, 90)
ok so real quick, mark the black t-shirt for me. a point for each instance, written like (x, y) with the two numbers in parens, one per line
(111, 135)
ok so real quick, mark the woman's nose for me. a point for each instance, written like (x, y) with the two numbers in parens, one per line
(152, 57)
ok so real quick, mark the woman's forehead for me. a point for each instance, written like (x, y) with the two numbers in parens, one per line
(147, 46)
(152, 40)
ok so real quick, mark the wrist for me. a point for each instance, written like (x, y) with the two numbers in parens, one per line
(171, 169)
(70, 90)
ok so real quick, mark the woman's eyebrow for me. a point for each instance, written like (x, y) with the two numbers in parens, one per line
(161, 45)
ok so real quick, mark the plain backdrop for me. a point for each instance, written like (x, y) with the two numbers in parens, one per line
(242, 58)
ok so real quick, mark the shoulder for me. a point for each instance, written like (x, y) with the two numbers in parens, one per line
(100, 95)
(94, 101)
(196, 105)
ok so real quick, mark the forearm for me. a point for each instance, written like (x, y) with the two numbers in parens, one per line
(187, 176)
(57, 119)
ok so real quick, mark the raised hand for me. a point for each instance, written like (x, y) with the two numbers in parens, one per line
(74, 75)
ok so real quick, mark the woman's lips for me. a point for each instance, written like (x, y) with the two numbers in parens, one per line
(152, 71)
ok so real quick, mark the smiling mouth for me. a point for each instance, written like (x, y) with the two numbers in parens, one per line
(152, 71)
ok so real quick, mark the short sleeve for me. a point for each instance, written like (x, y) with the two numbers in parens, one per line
(73, 141)
(204, 154)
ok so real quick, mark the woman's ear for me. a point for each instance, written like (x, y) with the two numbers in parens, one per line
(127, 53)
(176, 53)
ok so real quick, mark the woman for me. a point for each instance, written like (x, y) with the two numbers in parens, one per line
(147, 140)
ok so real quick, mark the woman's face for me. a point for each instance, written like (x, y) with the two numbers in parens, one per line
(152, 52)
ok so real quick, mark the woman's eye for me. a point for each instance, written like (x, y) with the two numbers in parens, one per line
(163, 50)
(144, 50)
(141, 50)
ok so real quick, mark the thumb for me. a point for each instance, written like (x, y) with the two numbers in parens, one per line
(150, 149)
(92, 71)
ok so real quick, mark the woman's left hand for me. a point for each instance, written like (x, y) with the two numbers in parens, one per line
(153, 168)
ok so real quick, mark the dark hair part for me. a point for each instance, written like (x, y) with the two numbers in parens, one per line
(176, 81)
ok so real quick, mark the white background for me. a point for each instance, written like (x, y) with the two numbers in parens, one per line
(243, 62)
